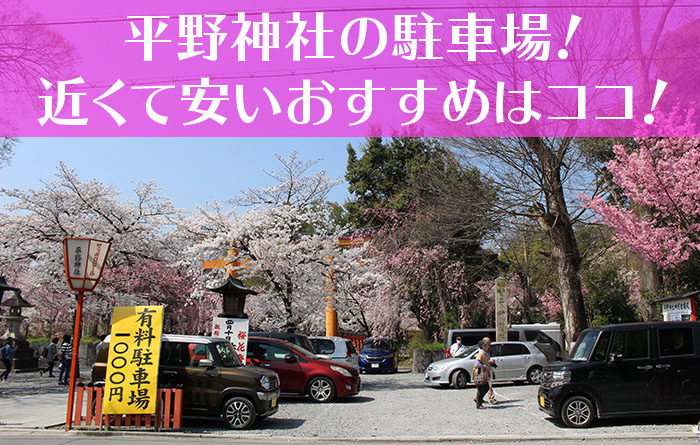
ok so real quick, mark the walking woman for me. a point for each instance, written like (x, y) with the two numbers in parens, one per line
(482, 371)
(66, 354)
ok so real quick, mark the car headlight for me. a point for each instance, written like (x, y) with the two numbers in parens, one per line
(265, 382)
(438, 368)
(340, 370)
(561, 377)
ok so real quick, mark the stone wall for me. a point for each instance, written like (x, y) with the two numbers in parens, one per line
(422, 358)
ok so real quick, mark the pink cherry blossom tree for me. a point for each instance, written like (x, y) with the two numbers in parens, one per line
(663, 175)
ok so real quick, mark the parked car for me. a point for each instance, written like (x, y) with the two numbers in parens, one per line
(378, 354)
(300, 340)
(550, 347)
(626, 370)
(515, 361)
(303, 373)
(214, 382)
(335, 348)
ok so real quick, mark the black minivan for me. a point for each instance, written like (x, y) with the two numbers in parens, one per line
(635, 369)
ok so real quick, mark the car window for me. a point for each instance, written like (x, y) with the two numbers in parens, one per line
(513, 349)
(513, 335)
(584, 346)
(630, 344)
(323, 346)
(227, 354)
(676, 341)
(197, 352)
(601, 348)
(495, 351)
(379, 345)
(274, 353)
(530, 335)
(174, 354)
(543, 338)
(351, 347)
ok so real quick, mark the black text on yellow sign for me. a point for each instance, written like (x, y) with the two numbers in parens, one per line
(131, 383)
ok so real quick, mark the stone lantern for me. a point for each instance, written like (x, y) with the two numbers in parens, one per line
(24, 356)
(234, 293)
(14, 317)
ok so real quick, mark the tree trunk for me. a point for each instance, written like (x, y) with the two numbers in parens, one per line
(567, 260)
(649, 275)
(555, 221)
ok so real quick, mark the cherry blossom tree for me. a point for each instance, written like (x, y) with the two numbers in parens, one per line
(287, 235)
(422, 279)
(663, 175)
(39, 219)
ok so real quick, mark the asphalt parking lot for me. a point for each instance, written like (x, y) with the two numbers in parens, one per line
(400, 405)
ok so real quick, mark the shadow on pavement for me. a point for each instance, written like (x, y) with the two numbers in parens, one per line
(200, 424)
(627, 421)
(342, 400)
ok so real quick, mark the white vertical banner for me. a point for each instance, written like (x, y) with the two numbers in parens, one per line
(235, 330)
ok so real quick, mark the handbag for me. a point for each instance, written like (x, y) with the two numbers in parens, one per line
(478, 376)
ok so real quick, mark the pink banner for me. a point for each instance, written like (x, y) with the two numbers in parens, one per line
(219, 68)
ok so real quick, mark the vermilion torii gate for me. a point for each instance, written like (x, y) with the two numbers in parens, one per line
(232, 263)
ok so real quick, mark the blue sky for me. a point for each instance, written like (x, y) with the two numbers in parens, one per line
(190, 171)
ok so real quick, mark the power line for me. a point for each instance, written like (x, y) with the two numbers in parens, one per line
(98, 20)
(276, 74)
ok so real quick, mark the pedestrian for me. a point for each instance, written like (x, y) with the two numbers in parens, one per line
(65, 356)
(99, 345)
(457, 348)
(51, 354)
(482, 371)
(7, 353)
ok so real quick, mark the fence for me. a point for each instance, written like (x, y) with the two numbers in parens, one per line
(355, 339)
(87, 412)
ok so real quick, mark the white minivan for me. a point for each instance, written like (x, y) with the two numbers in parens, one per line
(335, 348)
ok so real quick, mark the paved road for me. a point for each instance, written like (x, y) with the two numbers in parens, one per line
(56, 438)
(389, 406)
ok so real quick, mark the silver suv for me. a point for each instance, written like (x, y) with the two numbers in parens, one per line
(515, 361)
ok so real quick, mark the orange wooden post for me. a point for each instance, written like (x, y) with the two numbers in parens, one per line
(78, 405)
(166, 412)
(177, 421)
(98, 406)
(88, 411)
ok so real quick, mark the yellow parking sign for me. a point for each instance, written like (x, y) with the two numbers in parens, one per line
(131, 383)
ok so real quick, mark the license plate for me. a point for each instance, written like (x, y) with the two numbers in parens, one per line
(375, 365)
(274, 402)
(542, 401)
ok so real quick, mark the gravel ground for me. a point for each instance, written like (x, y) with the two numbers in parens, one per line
(31, 383)
(400, 405)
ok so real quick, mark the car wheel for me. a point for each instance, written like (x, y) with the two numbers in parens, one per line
(534, 375)
(577, 412)
(238, 413)
(321, 389)
(459, 379)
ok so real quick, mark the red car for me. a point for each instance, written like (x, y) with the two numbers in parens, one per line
(301, 372)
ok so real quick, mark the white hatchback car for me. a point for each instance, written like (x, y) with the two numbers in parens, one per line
(515, 361)
(335, 348)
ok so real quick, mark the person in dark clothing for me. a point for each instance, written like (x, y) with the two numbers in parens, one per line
(65, 356)
(51, 355)
(7, 353)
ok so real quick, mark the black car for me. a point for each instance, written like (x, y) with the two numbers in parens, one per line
(300, 340)
(636, 369)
